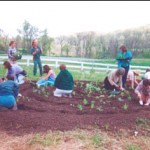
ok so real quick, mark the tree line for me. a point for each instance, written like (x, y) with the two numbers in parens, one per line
(83, 44)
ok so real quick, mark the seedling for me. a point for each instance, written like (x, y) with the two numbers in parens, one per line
(73, 93)
(97, 97)
(120, 99)
(129, 98)
(92, 104)
(125, 106)
(80, 107)
(85, 102)
(99, 108)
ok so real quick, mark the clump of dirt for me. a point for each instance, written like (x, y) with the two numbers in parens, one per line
(90, 105)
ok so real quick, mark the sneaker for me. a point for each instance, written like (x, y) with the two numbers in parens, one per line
(141, 102)
(20, 94)
(15, 107)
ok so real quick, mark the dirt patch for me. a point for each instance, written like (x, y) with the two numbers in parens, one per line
(91, 105)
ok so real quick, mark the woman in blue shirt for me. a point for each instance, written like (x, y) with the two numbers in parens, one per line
(8, 93)
(124, 58)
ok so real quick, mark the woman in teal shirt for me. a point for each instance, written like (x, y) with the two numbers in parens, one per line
(124, 58)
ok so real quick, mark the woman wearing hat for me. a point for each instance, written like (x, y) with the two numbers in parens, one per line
(132, 77)
(113, 78)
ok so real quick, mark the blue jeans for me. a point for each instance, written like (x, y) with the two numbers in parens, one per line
(124, 77)
(37, 62)
(43, 82)
(7, 101)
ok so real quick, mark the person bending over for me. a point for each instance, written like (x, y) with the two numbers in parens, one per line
(143, 92)
(8, 93)
(132, 77)
(64, 83)
(16, 71)
(49, 79)
(111, 81)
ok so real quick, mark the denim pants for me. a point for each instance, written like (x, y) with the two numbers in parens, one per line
(124, 77)
(37, 62)
(43, 82)
(7, 101)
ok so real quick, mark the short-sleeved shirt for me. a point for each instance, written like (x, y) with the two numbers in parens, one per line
(38, 54)
(130, 76)
(147, 75)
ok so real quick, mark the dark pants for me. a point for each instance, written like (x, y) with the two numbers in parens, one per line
(37, 62)
(124, 77)
(107, 85)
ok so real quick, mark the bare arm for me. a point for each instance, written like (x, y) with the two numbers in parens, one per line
(48, 75)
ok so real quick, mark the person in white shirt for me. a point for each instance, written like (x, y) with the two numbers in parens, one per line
(147, 74)
(132, 77)
(113, 78)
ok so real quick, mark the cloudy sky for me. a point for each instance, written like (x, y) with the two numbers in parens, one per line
(64, 18)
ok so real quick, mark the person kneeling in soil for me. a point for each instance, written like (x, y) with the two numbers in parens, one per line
(143, 91)
(64, 83)
(8, 93)
(115, 76)
(49, 79)
(16, 71)
(131, 77)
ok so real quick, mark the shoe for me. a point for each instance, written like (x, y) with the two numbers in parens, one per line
(20, 94)
(15, 107)
(141, 102)
(147, 104)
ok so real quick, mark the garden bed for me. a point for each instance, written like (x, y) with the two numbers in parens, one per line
(90, 106)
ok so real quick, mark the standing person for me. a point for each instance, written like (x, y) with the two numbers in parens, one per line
(8, 93)
(36, 52)
(113, 78)
(124, 58)
(49, 79)
(11, 52)
(64, 83)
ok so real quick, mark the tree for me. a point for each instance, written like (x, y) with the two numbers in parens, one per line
(28, 32)
(66, 48)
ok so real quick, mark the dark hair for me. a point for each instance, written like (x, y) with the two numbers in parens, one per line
(146, 82)
(123, 48)
(147, 70)
(46, 68)
(7, 64)
(11, 42)
(10, 77)
(62, 67)
(120, 71)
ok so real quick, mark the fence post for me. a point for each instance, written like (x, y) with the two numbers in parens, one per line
(56, 64)
(107, 68)
(28, 62)
(81, 66)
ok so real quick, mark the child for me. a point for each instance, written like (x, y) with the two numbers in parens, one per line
(143, 92)
(11, 52)
(64, 83)
(115, 76)
(49, 79)
(131, 77)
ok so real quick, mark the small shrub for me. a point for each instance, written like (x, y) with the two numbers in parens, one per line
(80, 107)
(99, 108)
(96, 140)
(85, 102)
(92, 104)
(142, 122)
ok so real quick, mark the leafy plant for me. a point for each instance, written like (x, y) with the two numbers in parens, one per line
(80, 107)
(142, 122)
(85, 102)
(99, 108)
(129, 98)
(125, 106)
(74, 93)
(120, 99)
(92, 104)
(96, 140)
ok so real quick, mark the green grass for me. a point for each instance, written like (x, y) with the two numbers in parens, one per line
(132, 147)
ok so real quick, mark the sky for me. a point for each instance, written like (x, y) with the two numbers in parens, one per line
(66, 18)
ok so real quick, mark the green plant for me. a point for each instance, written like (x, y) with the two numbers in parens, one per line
(99, 108)
(74, 93)
(120, 99)
(85, 102)
(96, 140)
(125, 106)
(132, 147)
(92, 104)
(142, 122)
(129, 98)
(80, 107)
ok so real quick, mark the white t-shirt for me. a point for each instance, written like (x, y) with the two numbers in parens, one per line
(147, 75)
(130, 76)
